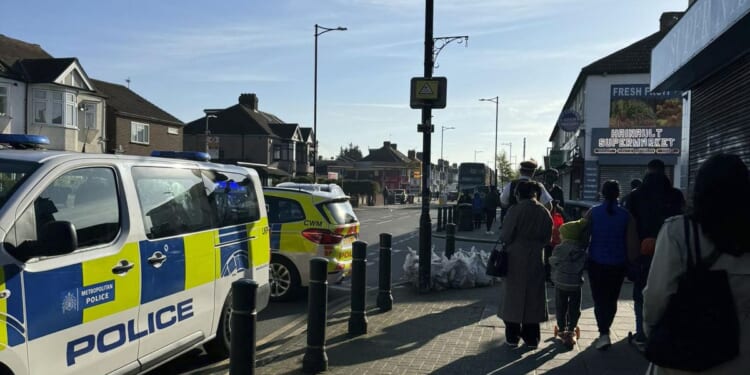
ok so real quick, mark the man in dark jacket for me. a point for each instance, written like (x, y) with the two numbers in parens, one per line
(491, 202)
(650, 204)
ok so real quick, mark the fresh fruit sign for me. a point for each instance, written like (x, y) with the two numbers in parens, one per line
(636, 106)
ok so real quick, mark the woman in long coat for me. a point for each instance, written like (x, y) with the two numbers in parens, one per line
(525, 232)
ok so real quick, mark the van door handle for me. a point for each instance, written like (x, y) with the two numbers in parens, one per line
(157, 259)
(123, 267)
(5, 294)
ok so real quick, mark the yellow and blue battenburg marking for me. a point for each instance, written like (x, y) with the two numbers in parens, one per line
(12, 330)
(68, 296)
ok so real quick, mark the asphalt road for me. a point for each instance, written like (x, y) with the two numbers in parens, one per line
(402, 221)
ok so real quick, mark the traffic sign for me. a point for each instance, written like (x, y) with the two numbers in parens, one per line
(428, 92)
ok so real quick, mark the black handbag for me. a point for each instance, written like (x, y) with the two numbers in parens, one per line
(497, 265)
(702, 305)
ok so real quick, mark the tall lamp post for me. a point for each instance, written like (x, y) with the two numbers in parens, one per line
(495, 100)
(209, 114)
(442, 160)
(319, 30)
(475, 154)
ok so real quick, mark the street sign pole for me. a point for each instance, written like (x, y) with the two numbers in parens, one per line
(425, 224)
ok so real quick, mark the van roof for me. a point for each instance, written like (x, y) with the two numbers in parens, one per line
(45, 156)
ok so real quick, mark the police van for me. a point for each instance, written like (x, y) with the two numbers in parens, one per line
(308, 220)
(113, 264)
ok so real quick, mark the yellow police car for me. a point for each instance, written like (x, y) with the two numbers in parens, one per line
(308, 220)
(114, 264)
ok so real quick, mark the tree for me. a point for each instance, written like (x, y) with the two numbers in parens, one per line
(505, 169)
(352, 152)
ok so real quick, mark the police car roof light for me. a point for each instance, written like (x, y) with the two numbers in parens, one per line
(187, 155)
(24, 141)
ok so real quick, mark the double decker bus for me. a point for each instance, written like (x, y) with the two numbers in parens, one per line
(474, 176)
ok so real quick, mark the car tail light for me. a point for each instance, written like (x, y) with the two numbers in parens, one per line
(322, 236)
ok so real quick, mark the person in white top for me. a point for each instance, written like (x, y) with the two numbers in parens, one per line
(526, 172)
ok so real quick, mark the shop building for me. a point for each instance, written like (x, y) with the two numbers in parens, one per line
(706, 55)
(613, 124)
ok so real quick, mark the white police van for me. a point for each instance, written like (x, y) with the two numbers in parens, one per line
(113, 264)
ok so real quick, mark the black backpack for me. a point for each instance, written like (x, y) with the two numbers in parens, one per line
(703, 302)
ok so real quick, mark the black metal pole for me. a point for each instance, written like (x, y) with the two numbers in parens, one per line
(450, 240)
(358, 316)
(440, 221)
(315, 358)
(315, 110)
(425, 225)
(497, 105)
(242, 325)
(385, 297)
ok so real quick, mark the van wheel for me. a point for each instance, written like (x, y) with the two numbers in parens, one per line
(218, 348)
(284, 279)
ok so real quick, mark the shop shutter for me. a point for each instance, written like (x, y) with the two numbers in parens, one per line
(720, 116)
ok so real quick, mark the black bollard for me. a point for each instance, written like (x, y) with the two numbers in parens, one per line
(315, 359)
(242, 324)
(448, 215)
(358, 316)
(440, 218)
(445, 217)
(454, 214)
(385, 297)
(450, 240)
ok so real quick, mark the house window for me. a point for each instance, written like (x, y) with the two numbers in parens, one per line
(139, 132)
(4, 90)
(89, 115)
(54, 107)
(284, 152)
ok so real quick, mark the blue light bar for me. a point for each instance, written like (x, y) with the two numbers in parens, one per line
(187, 155)
(24, 141)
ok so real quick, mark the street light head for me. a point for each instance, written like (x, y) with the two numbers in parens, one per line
(341, 28)
(211, 116)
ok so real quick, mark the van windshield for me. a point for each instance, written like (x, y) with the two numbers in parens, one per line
(341, 212)
(12, 174)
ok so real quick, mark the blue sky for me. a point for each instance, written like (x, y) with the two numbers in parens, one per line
(187, 55)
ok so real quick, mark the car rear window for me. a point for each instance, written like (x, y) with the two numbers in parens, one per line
(341, 212)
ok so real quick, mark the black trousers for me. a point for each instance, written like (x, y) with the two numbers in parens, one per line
(490, 218)
(605, 281)
(529, 332)
(567, 308)
(547, 267)
(477, 220)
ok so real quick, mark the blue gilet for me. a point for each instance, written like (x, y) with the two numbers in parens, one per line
(608, 235)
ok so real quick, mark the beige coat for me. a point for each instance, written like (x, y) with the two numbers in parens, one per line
(526, 230)
(669, 263)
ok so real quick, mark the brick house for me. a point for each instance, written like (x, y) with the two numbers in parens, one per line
(136, 126)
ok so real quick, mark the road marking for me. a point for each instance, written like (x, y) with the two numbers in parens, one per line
(383, 222)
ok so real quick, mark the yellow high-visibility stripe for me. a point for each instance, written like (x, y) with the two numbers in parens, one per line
(127, 287)
(199, 253)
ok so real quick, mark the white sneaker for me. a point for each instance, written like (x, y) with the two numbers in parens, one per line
(603, 342)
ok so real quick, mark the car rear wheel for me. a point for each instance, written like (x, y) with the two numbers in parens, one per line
(284, 279)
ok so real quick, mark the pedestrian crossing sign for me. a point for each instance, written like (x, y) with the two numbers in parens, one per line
(428, 92)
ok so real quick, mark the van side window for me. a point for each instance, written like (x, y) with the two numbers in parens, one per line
(282, 210)
(173, 201)
(85, 197)
(232, 197)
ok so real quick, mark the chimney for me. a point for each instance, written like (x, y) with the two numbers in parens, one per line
(389, 144)
(412, 154)
(669, 19)
(250, 101)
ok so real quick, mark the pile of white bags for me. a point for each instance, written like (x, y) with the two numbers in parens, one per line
(466, 269)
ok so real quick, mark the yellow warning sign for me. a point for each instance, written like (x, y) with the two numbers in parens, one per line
(427, 90)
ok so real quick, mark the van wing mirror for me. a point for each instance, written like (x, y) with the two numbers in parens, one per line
(55, 238)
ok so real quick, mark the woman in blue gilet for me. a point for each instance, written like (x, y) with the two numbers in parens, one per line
(610, 226)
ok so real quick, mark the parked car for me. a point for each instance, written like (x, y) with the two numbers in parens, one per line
(308, 220)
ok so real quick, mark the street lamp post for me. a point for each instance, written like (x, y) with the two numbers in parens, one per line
(319, 30)
(442, 160)
(495, 100)
(475, 154)
(208, 116)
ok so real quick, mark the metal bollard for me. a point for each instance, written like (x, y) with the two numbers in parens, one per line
(445, 216)
(454, 214)
(358, 316)
(450, 240)
(315, 359)
(385, 297)
(242, 324)
(440, 218)
(448, 215)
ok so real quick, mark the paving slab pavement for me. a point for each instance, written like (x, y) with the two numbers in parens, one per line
(457, 332)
